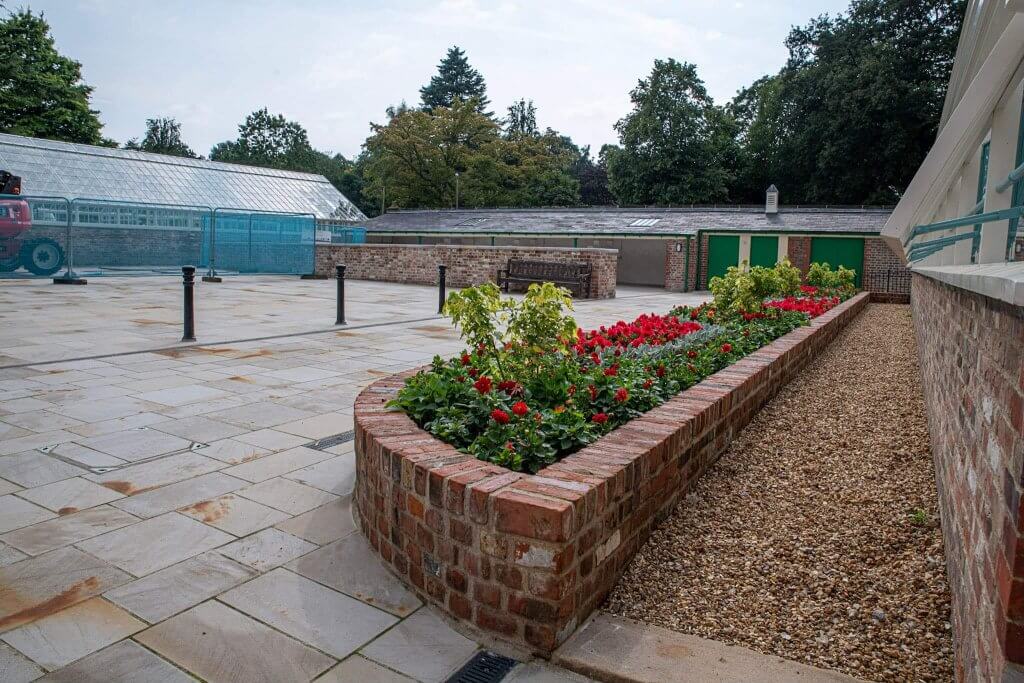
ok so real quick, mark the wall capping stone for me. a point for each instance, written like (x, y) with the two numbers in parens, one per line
(526, 558)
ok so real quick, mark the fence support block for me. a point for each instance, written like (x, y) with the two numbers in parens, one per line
(340, 272)
(441, 268)
(188, 281)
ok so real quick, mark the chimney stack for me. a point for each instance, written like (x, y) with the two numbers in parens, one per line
(771, 202)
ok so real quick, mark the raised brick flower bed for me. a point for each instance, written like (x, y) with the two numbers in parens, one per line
(526, 558)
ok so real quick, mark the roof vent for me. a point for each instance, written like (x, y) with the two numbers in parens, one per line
(644, 222)
(771, 201)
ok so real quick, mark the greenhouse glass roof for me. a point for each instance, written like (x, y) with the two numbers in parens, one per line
(64, 169)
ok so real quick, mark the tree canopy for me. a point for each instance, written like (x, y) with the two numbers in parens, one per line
(163, 136)
(677, 147)
(41, 91)
(455, 80)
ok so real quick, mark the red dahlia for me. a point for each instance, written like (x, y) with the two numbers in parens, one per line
(599, 418)
(500, 416)
(520, 408)
(483, 385)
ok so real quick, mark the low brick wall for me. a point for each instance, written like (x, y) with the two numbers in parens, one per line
(467, 265)
(971, 350)
(526, 558)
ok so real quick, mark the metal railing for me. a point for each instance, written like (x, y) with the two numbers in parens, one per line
(110, 237)
(918, 250)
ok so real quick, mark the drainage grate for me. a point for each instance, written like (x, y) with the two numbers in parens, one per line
(331, 441)
(485, 667)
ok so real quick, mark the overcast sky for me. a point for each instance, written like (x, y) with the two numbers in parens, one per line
(335, 65)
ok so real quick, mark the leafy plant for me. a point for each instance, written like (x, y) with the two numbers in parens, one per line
(788, 278)
(742, 289)
(833, 282)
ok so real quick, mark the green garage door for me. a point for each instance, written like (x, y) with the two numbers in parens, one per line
(839, 251)
(723, 252)
(764, 251)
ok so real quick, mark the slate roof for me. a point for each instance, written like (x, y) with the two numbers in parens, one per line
(638, 222)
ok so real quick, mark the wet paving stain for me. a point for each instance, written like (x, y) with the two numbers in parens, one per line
(143, 321)
(210, 510)
(229, 352)
(241, 378)
(125, 488)
(67, 511)
(61, 601)
(432, 328)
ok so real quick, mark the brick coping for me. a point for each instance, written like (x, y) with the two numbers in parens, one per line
(526, 558)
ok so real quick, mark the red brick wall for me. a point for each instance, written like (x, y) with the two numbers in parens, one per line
(676, 262)
(799, 252)
(884, 273)
(526, 558)
(971, 350)
(467, 265)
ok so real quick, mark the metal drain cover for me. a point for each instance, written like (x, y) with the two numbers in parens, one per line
(485, 667)
(331, 441)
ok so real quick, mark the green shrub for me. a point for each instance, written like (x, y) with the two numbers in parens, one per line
(833, 282)
(789, 278)
(743, 289)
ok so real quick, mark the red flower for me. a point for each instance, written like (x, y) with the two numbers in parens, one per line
(612, 371)
(661, 371)
(480, 348)
(520, 408)
(694, 313)
(621, 395)
(691, 354)
(500, 416)
(593, 392)
(510, 387)
(466, 359)
(509, 446)
(571, 390)
(483, 385)
(473, 372)
(599, 418)
(726, 347)
(648, 383)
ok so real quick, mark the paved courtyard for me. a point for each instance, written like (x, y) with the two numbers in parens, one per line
(169, 511)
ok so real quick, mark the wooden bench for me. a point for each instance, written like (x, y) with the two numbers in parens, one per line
(575, 276)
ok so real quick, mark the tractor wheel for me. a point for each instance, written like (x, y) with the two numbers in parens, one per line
(42, 257)
(9, 265)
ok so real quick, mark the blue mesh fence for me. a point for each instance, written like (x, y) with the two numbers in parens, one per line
(102, 237)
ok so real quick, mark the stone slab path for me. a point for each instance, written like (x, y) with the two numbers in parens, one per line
(170, 514)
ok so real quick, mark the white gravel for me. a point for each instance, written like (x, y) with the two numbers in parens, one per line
(816, 535)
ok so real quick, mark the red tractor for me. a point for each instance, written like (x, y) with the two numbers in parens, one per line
(39, 256)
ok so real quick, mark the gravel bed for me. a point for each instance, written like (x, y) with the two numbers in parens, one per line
(816, 535)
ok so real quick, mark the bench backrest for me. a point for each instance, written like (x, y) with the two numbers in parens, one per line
(547, 269)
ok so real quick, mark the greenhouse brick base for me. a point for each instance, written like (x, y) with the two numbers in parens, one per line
(526, 558)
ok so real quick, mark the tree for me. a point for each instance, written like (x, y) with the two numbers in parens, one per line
(163, 136)
(677, 147)
(455, 80)
(521, 120)
(856, 108)
(41, 91)
(267, 140)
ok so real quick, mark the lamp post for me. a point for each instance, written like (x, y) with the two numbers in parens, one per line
(456, 190)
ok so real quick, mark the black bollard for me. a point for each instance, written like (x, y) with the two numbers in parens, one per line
(441, 268)
(188, 278)
(340, 271)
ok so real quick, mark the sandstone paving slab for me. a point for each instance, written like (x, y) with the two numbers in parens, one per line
(181, 494)
(179, 587)
(32, 468)
(309, 612)
(614, 648)
(8, 487)
(41, 420)
(319, 426)
(61, 638)
(260, 414)
(118, 424)
(286, 495)
(33, 441)
(15, 667)
(199, 428)
(337, 475)
(179, 396)
(361, 669)
(91, 410)
(34, 588)
(277, 464)
(234, 514)
(267, 549)
(87, 457)
(302, 373)
(351, 566)
(9, 431)
(136, 479)
(272, 440)
(135, 444)
(232, 451)
(222, 645)
(23, 405)
(70, 495)
(10, 555)
(542, 672)
(72, 528)
(323, 524)
(125, 661)
(423, 647)
(16, 513)
(156, 543)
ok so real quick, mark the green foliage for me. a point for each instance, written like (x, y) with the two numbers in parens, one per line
(455, 80)
(742, 289)
(163, 136)
(413, 159)
(41, 91)
(839, 281)
(788, 278)
(521, 121)
(677, 147)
